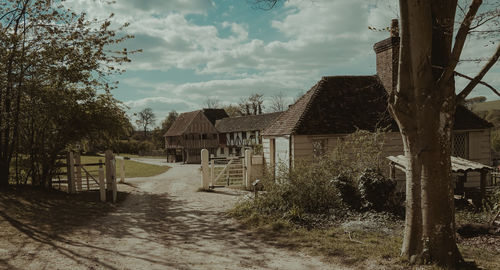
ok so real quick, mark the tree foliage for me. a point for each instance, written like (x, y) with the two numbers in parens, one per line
(233, 110)
(54, 87)
(252, 105)
(423, 104)
(145, 119)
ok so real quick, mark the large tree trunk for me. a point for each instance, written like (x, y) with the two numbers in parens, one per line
(424, 112)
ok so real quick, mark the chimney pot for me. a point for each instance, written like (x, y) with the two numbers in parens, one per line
(394, 28)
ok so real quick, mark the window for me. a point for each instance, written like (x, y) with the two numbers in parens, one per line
(460, 145)
(319, 147)
(203, 136)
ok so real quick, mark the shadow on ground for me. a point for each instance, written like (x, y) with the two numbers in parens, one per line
(41, 223)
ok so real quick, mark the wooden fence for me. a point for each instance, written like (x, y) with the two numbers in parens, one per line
(82, 176)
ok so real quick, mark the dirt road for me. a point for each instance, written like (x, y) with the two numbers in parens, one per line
(163, 223)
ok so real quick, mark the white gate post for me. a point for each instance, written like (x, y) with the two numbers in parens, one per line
(122, 172)
(109, 169)
(102, 187)
(248, 168)
(114, 186)
(205, 170)
(70, 164)
(212, 172)
(78, 160)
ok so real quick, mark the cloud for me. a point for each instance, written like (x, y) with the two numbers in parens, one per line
(308, 39)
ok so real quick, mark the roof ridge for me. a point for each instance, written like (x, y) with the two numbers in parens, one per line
(308, 106)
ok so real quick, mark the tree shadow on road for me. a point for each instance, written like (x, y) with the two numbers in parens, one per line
(41, 224)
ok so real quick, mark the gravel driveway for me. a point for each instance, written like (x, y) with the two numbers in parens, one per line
(162, 224)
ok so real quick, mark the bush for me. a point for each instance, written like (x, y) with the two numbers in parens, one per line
(377, 192)
(327, 188)
(347, 191)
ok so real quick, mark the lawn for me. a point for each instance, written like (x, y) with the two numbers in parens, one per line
(138, 156)
(132, 168)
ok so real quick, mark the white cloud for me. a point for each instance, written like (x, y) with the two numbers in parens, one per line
(318, 38)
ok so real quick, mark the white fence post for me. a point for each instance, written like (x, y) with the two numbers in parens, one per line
(113, 177)
(109, 169)
(78, 160)
(205, 170)
(122, 172)
(248, 168)
(212, 172)
(102, 186)
(70, 166)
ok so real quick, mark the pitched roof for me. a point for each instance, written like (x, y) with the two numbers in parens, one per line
(215, 114)
(342, 104)
(181, 123)
(466, 119)
(245, 123)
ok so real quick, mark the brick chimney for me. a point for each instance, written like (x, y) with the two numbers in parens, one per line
(387, 52)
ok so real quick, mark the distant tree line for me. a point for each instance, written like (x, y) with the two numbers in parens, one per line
(251, 105)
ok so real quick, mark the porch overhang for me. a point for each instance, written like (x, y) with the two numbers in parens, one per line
(458, 165)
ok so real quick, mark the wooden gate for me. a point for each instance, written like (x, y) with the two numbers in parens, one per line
(227, 172)
(80, 177)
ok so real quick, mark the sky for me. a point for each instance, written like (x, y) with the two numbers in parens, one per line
(194, 50)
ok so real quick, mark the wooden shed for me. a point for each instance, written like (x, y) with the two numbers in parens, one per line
(191, 132)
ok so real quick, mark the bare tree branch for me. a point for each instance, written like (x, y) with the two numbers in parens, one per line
(466, 91)
(480, 82)
(460, 38)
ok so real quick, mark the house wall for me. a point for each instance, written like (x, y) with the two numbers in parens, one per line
(479, 151)
(237, 140)
(282, 154)
(266, 150)
(279, 153)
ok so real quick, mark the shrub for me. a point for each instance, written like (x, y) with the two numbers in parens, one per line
(328, 187)
(377, 192)
(347, 191)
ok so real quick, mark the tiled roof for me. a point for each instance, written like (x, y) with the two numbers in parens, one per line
(288, 120)
(184, 120)
(215, 114)
(181, 123)
(342, 104)
(465, 119)
(245, 123)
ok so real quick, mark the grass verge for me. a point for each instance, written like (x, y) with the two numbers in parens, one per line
(359, 241)
(138, 156)
(132, 168)
(349, 243)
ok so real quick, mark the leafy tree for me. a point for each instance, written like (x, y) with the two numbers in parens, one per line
(146, 118)
(423, 104)
(233, 110)
(53, 61)
(169, 120)
(470, 102)
(252, 105)
(159, 132)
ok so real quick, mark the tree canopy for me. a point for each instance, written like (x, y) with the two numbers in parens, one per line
(54, 84)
